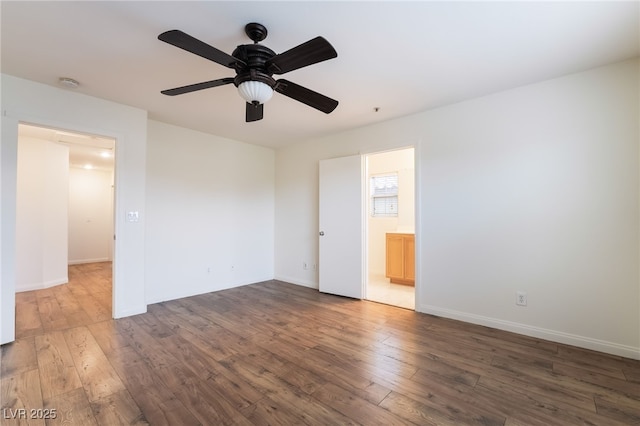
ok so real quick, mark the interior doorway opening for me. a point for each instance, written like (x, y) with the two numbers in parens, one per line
(65, 197)
(390, 227)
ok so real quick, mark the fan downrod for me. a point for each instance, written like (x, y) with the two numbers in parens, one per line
(256, 32)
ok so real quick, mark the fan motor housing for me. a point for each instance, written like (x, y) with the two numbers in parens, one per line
(255, 57)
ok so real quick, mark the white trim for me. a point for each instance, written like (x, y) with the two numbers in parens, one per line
(417, 223)
(364, 227)
(43, 285)
(303, 283)
(227, 286)
(83, 261)
(130, 312)
(541, 333)
(8, 176)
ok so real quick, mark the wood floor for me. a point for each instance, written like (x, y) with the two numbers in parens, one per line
(276, 353)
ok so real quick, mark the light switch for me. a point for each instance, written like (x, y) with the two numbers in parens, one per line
(132, 216)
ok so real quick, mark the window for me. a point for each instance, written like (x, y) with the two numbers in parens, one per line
(384, 195)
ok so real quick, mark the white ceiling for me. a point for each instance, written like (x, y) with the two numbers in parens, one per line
(403, 57)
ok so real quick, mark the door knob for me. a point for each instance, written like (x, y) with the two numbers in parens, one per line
(322, 233)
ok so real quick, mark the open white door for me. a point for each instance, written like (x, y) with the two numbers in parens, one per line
(341, 227)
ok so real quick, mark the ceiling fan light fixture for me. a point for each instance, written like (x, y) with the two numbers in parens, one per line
(255, 91)
(254, 65)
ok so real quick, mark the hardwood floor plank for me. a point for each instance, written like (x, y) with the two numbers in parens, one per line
(28, 321)
(449, 372)
(631, 390)
(58, 374)
(301, 358)
(518, 411)
(19, 356)
(136, 372)
(239, 392)
(357, 408)
(96, 374)
(153, 326)
(557, 411)
(215, 340)
(267, 412)
(495, 340)
(118, 409)
(367, 359)
(421, 414)
(51, 313)
(596, 358)
(567, 382)
(153, 389)
(70, 307)
(93, 307)
(107, 336)
(164, 412)
(533, 385)
(189, 355)
(208, 405)
(418, 355)
(170, 307)
(441, 348)
(627, 411)
(19, 394)
(443, 397)
(632, 375)
(144, 344)
(309, 410)
(298, 377)
(72, 408)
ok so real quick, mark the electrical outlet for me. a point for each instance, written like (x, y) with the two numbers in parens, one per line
(305, 266)
(521, 298)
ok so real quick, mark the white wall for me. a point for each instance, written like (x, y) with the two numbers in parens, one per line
(401, 162)
(90, 215)
(533, 189)
(41, 214)
(36, 103)
(210, 204)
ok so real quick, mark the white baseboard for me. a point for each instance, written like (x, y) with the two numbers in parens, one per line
(83, 261)
(130, 312)
(295, 281)
(40, 286)
(540, 333)
(198, 291)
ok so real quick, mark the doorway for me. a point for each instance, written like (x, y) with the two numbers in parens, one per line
(64, 205)
(390, 228)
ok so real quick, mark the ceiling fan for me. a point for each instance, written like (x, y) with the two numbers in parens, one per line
(255, 65)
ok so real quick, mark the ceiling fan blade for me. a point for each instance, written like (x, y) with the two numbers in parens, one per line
(190, 44)
(306, 96)
(254, 112)
(313, 51)
(198, 86)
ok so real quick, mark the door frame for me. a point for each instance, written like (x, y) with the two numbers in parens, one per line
(417, 218)
(9, 149)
